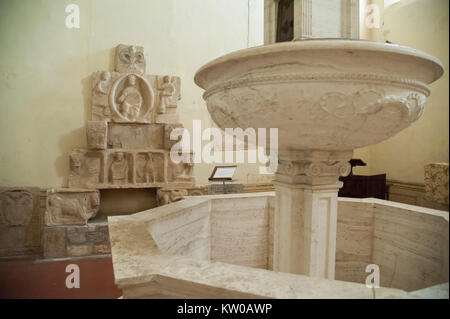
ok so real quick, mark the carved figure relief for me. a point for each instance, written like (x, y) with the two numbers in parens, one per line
(119, 169)
(167, 196)
(146, 173)
(149, 167)
(102, 86)
(168, 98)
(71, 207)
(132, 99)
(16, 207)
(130, 58)
(182, 171)
(85, 168)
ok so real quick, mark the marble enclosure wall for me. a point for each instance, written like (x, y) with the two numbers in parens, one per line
(410, 246)
(235, 232)
(408, 243)
(240, 231)
(181, 250)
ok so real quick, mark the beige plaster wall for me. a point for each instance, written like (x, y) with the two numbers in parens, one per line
(423, 25)
(45, 69)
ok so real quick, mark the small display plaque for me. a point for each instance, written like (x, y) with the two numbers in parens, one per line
(222, 173)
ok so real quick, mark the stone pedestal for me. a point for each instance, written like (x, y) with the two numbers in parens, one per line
(306, 185)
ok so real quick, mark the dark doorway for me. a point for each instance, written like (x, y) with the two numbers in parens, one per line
(285, 21)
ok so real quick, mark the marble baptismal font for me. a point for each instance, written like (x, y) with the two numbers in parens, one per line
(328, 93)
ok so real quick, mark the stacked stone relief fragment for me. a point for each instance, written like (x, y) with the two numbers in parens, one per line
(128, 146)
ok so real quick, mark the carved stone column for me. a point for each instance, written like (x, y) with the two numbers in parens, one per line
(306, 184)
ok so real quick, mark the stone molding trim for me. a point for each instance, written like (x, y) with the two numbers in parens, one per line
(253, 79)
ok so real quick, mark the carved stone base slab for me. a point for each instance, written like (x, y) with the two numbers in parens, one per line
(71, 206)
(124, 168)
(73, 241)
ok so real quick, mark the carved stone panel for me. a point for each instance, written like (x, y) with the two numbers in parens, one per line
(120, 168)
(96, 134)
(71, 206)
(20, 221)
(101, 87)
(16, 207)
(134, 136)
(86, 168)
(177, 131)
(129, 58)
(181, 172)
(124, 97)
(167, 196)
(132, 99)
(150, 167)
(127, 168)
(169, 93)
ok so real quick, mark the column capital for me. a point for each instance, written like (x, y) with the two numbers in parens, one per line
(312, 167)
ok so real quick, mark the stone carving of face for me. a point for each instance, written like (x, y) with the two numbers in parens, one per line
(119, 157)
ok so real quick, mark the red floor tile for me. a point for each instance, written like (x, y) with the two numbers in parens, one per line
(29, 278)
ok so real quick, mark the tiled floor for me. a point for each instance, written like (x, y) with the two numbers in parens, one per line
(30, 278)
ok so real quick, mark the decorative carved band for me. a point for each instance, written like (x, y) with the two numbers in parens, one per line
(313, 167)
(255, 79)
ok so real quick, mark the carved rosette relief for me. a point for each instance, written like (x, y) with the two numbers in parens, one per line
(130, 58)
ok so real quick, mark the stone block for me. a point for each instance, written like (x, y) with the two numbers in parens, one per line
(127, 168)
(228, 189)
(129, 58)
(177, 130)
(167, 196)
(77, 234)
(436, 182)
(71, 206)
(131, 96)
(96, 134)
(135, 136)
(54, 242)
(20, 221)
(100, 235)
(102, 249)
(79, 250)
